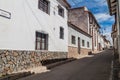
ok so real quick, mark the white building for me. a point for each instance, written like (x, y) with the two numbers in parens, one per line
(80, 42)
(33, 25)
(101, 42)
(114, 9)
(85, 20)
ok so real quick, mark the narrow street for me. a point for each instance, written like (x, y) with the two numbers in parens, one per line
(96, 67)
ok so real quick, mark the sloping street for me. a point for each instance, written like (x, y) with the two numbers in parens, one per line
(96, 67)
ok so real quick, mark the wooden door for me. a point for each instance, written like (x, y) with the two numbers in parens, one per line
(78, 45)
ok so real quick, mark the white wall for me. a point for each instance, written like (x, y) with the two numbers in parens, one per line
(96, 32)
(18, 33)
(101, 41)
(77, 34)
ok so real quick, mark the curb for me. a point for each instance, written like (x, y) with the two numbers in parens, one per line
(50, 66)
(16, 76)
(111, 72)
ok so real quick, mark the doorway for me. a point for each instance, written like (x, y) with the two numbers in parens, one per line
(78, 45)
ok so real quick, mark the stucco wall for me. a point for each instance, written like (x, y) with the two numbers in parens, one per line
(81, 36)
(18, 33)
(73, 48)
(94, 31)
(80, 18)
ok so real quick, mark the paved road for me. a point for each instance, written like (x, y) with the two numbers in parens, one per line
(88, 68)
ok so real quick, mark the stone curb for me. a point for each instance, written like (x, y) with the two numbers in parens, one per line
(50, 66)
(111, 72)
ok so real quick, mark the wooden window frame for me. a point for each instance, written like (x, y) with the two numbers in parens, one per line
(61, 11)
(73, 39)
(83, 43)
(43, 41)
(44, 5)
(88, 44)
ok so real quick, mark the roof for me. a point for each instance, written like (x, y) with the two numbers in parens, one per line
(67, 3)
(114, 28)
(112, 4)
(78, 29)
(104, 38)
(77, 8)
(94, 18)
(64, 3)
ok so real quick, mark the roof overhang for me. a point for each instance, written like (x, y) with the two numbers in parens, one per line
(112, 4)
(94, 19)
(64, 3)
(70, 24)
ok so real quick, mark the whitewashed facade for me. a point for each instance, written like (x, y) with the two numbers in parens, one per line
(101, 42)
(82, 36)
(79, 42)
(21, 19)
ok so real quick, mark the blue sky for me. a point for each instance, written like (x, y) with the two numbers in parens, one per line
(100, 10)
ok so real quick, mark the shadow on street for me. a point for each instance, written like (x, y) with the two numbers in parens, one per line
(92, 67)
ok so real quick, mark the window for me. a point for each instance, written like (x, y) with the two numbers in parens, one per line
(41, 41)
(83, 42)
(73, 41)
(60, 11)
(44, 6)
(88, 44)
(61, 33)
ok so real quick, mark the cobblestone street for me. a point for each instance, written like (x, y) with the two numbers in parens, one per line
(95, 67)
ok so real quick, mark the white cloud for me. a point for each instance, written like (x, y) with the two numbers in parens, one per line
(104, 17)
(103, 2)
(106, 29)
(108, 36)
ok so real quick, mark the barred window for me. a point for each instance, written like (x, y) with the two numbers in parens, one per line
(83, 42)
(73, 41)
(41, 41)
(44, 6)
(60, 11)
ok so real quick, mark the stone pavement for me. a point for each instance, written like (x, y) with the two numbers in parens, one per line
(95, 67)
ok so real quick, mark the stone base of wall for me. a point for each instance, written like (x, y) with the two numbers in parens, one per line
(95, 51)
(85, 51)
(13, 60)
(73, 52)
